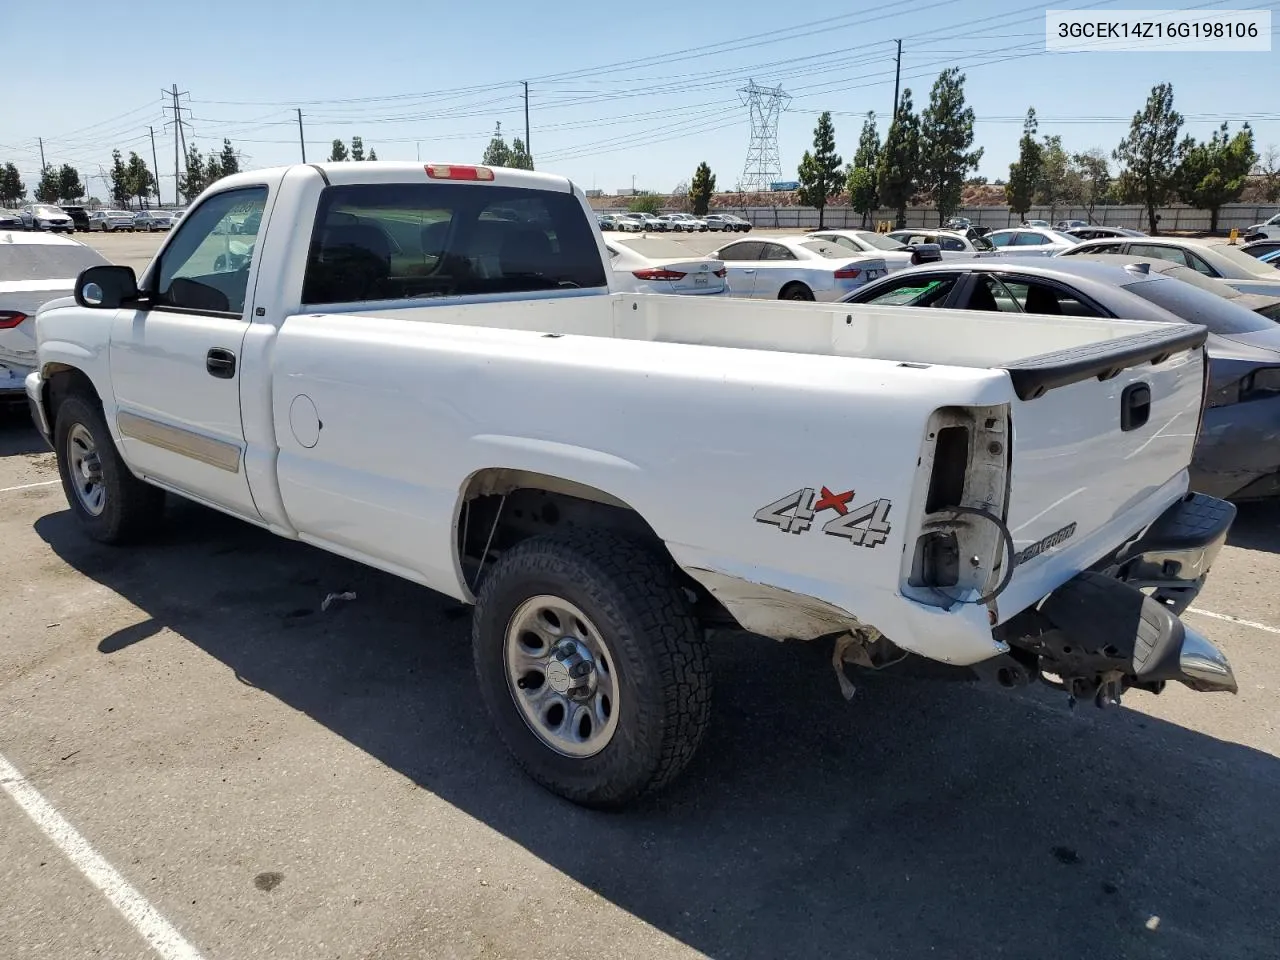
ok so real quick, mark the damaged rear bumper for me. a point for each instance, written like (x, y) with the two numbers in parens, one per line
(1117, 626)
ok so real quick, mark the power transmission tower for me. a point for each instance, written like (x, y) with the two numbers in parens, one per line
(179, 137)
(764, 163)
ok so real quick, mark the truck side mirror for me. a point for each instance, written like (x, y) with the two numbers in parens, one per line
(106, 287)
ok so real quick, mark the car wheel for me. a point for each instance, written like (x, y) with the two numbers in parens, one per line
(795, 291)
(595, 673)
(110, 503)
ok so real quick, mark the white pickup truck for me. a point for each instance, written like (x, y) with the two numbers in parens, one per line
(424, 368)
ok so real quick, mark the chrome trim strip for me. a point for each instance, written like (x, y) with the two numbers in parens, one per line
(216, 453)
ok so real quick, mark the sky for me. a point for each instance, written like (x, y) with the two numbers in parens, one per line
(617, 95)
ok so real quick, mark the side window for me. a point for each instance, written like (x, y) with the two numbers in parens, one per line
(1029, 240)
(736, 252)
(206, 265)
(951, 243)
(1093, 248)
(1158, 252)
(1001, 239)
(1199, 265)
(400, 241)
(776, 251)
(1040, 298)
(914, 291)
(990, 294)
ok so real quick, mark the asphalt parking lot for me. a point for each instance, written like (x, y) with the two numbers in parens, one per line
(275, 780)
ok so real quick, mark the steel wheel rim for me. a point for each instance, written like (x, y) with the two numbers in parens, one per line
(85, 469)
(562, 676)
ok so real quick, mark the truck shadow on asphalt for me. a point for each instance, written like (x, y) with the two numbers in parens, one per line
(1257, 526)
(925, 818)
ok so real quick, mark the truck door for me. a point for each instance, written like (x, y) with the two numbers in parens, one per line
(175, 361)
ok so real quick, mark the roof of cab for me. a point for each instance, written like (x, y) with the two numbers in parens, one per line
(404, 171)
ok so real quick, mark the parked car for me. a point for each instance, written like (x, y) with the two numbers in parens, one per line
(605, 222)
(659, 265)
(1036, 224)
(11, 220)
(1031, 241)
(1096, 232)
(450, 414)
(686, 222)
(1236, 456)
(1272, 258)
(796, 268)
(79, 217)
(1259, 247)
(43, 216)
(953, 244)
(630, 223)
(1264, 305)
(34, 269)
(723, 222)
(1213, 258)
(737, 223)
(1062, 226)
(1267, 230)
(111, 220)
(896, 255)
(958, 223)
(152, 220)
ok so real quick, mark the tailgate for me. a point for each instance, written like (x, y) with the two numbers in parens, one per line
(1102, 437)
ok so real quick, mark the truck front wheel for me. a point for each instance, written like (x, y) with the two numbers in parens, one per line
(111, 504)
(595, 673)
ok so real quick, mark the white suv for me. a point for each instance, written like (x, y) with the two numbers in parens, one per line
(1269, 230)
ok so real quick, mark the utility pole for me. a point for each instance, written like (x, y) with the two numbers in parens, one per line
(42, 164)
(897, 78)
(179, 138)
(154, 162)
(527, 147)
(301, 140)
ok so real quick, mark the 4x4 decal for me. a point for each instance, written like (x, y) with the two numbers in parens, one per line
(864, 525)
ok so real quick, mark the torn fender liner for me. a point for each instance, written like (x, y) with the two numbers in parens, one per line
(773, 611)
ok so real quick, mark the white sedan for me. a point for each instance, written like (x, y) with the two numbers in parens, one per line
(895, 253)
(1031, 241)
(649, 264)
(796, 268)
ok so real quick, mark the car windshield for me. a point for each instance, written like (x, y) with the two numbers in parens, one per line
(1062, 237)
(1237, 256)
(656, 248)
(880, 241)
(827, 248)
(119, 213)
(48, 211)
(46, 261)
(1199, 306)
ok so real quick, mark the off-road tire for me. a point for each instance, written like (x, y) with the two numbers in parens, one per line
(658, 651)
(133, 509)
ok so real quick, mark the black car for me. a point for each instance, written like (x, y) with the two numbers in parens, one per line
(79, 217)
(11, 220)
(1260, 247)
(1237, 457)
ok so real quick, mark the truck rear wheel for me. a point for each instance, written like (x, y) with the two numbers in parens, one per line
(110, 503)
(595, 673)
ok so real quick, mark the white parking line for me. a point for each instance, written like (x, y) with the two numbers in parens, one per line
(155, 929)
(1230, 619)
(29, 486)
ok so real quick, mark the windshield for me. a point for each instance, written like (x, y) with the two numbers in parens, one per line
(1199, 306)
(825, 248)
(1241, 259)
(48, 211)
(655, 248)
(1062, 237)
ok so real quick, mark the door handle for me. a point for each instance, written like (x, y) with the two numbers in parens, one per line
(1135, 406)
(220, 363)
(748, 271)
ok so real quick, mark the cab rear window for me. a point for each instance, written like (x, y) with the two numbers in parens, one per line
(404, 241)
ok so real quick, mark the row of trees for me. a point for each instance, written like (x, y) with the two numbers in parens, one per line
(930, 156)
(339, 153)
(56, 184)
(498, 154)
(200, 171)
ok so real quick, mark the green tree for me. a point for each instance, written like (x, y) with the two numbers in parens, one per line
(1149, 152)
(1095, 177)
(138, 179)
(946, 136)
(339, 152)
(12, 189)
(1060, 182)
(898, 174)
(196, 175)
(1215, 172)
(497, 154)
(357, 149)
(47, 188)
(70, 188)
(519, 156)
(228, 160)
(212, 169)
(820, 177)
(1024, 173)
(119, 180)
(860, 180)
(373, 154)
(645, 203)
(701, 188)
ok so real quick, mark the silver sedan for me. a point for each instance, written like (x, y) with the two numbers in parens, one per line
(796, 268)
